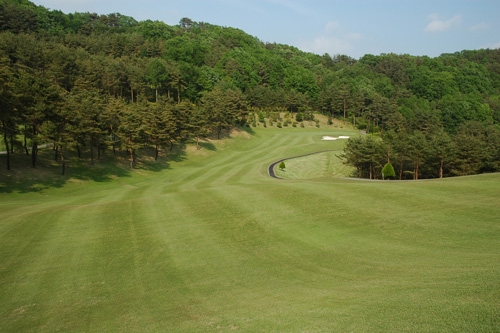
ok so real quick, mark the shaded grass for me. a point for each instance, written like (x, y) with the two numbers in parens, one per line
(213, 244)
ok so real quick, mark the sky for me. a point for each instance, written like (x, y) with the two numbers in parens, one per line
(348, 27)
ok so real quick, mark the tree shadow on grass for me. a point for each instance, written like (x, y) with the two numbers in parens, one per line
(22, 178)
(247, 128)
(227, 132)
(27, 185)
(207, 145)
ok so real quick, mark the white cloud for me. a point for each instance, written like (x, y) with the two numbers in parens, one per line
(438, 25)
(331, 45)
(333, 40)
(480, 26)
(331, 27)
(353, 36)
(492, 46)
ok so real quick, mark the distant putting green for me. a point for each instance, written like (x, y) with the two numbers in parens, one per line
(211, 243)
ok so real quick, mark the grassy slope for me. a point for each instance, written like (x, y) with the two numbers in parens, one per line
(213, 244)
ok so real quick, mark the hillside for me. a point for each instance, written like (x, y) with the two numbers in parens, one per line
(91, 82)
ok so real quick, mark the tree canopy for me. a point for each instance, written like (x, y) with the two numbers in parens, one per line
(88, 81)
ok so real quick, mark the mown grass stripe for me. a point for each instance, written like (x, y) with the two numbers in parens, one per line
(182, 250)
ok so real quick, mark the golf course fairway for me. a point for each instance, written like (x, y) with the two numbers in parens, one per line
(208, 242)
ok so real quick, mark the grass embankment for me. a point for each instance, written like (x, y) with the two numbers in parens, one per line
(211, 243)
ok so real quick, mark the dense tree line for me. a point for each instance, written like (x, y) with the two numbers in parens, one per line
(429, 153)
(89, 82)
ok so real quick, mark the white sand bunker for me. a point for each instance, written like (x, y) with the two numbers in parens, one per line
(331, 138)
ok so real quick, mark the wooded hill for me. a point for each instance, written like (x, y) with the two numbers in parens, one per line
(89, 82)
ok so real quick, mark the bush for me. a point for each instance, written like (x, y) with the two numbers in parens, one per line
(388, 171)
(282, 166)
(262, 117)
(309, 115)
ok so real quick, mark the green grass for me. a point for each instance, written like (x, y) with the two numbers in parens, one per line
(210, 243)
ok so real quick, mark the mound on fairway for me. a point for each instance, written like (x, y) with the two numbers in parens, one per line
(212, 243)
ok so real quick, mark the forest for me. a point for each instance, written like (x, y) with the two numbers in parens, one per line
(89, 83)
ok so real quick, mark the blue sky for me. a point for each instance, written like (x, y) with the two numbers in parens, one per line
(350, 27)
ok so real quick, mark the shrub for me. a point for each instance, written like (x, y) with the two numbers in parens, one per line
(282, 166)
(388, 171)
(262, 117)
(309, 115)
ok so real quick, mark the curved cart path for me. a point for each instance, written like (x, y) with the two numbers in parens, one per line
(270, 169)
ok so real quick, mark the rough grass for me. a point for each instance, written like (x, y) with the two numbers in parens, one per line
(211, 243)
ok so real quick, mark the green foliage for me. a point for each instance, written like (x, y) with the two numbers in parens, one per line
(220, 72)
(282, 166)
(388, 171)
(262, 117)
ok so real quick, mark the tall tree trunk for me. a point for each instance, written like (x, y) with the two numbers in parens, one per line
(91, 151)
(12, 143)
(26, 142)
(34, 154)
(98, 149)
(156, 150)
(114, 146)
(6, 144)
(345, 108)
(56, 151)
(441, 169)
(131, 153)
(63, 161)
(78, 151)
(131, 160)
(34, 149)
